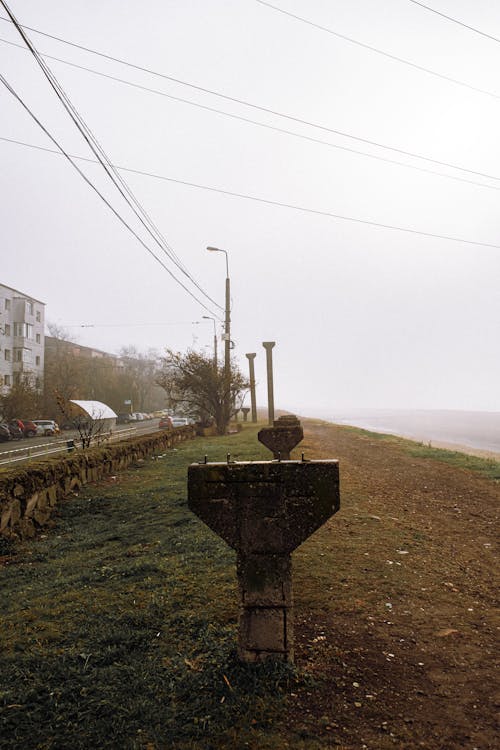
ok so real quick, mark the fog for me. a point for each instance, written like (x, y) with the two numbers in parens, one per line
(362, 316)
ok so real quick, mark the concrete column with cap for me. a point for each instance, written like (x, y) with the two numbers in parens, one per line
(268, 346)
(253, 400)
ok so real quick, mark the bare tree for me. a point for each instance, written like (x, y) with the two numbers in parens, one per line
(196, 388)
(90, 428)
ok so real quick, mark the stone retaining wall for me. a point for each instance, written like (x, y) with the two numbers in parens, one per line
(29, 493)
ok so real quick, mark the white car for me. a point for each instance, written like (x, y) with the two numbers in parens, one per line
(46, 427)
(180, 421)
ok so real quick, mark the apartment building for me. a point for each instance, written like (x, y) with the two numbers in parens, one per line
(22, 325)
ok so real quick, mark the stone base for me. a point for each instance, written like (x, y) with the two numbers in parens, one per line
(265, 633)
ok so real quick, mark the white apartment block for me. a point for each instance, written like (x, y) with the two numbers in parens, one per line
(22, 325)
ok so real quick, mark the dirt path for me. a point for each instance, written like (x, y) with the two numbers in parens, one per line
(401, 583)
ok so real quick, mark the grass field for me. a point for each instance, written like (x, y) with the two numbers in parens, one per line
(119, 624)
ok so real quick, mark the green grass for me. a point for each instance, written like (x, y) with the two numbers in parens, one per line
(119, 627)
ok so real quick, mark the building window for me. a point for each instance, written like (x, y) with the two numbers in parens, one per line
(17, 378)
(30, 307)
(23, 329)
(38, 316)
(7, 329)
(23, 355)
(7, 354)
(7, 304)
(37, 360)
(6, 379)
(38, 338)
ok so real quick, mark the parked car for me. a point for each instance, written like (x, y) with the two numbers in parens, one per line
(46, 427)
(30, 428)
(166, 423)
(124, 418)
(180, 421)
(4, 433)
(16, 432)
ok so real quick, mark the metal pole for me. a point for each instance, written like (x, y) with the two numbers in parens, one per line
(209, 317)
(227, 338)
(253, 400)
(227, 350)
(268, 346)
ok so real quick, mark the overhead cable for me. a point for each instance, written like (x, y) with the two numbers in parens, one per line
(460, 23)
(281, 204)
(378, 51)
(266, 126)
(96, 190)
(260, 108)
(103, 159)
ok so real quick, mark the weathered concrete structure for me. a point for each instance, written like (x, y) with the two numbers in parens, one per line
(264, 510)
(282, 437)
(253, 400)
(268, 346)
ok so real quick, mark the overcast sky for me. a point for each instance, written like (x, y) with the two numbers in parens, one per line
(362, 316)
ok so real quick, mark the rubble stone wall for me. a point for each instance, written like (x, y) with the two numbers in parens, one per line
(29, 493)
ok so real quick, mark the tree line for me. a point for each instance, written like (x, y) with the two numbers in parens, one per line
(187, 383)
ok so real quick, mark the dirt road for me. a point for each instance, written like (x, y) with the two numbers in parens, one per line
(403, 640)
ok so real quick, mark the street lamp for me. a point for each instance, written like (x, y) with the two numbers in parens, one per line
(227, 333)
(208, 317)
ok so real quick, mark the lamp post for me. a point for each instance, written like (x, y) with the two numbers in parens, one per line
(208, 317)
(227, 335)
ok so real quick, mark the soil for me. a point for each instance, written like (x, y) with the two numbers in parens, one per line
(402, 653)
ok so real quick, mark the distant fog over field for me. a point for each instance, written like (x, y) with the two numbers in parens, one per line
(479, 430)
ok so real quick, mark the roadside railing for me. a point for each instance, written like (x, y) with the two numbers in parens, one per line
(29, 452)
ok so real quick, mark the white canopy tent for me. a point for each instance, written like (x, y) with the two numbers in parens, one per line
(98, 412)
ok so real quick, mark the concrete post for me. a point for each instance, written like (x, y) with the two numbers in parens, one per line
(253, 400)
(268, 346)
(282, 437)
(264, 510)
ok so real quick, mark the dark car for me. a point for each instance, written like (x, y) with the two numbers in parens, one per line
(16, 432)
(123, 419)
(166, 423)
(4, 433)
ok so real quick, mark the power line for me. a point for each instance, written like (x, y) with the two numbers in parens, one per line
(96, 190)
(103, 159)
(283, 131)
(131, 325)
(260, 108)
(449, 18)
(280, 204)
(378, 51)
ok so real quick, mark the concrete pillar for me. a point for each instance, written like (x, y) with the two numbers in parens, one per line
(268, 346)
(264, 510)
(253, 400)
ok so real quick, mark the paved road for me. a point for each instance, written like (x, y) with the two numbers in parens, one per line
(20, 446)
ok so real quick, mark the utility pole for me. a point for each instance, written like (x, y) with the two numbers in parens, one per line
(268, 346)
(227, 337)
(253, 400)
